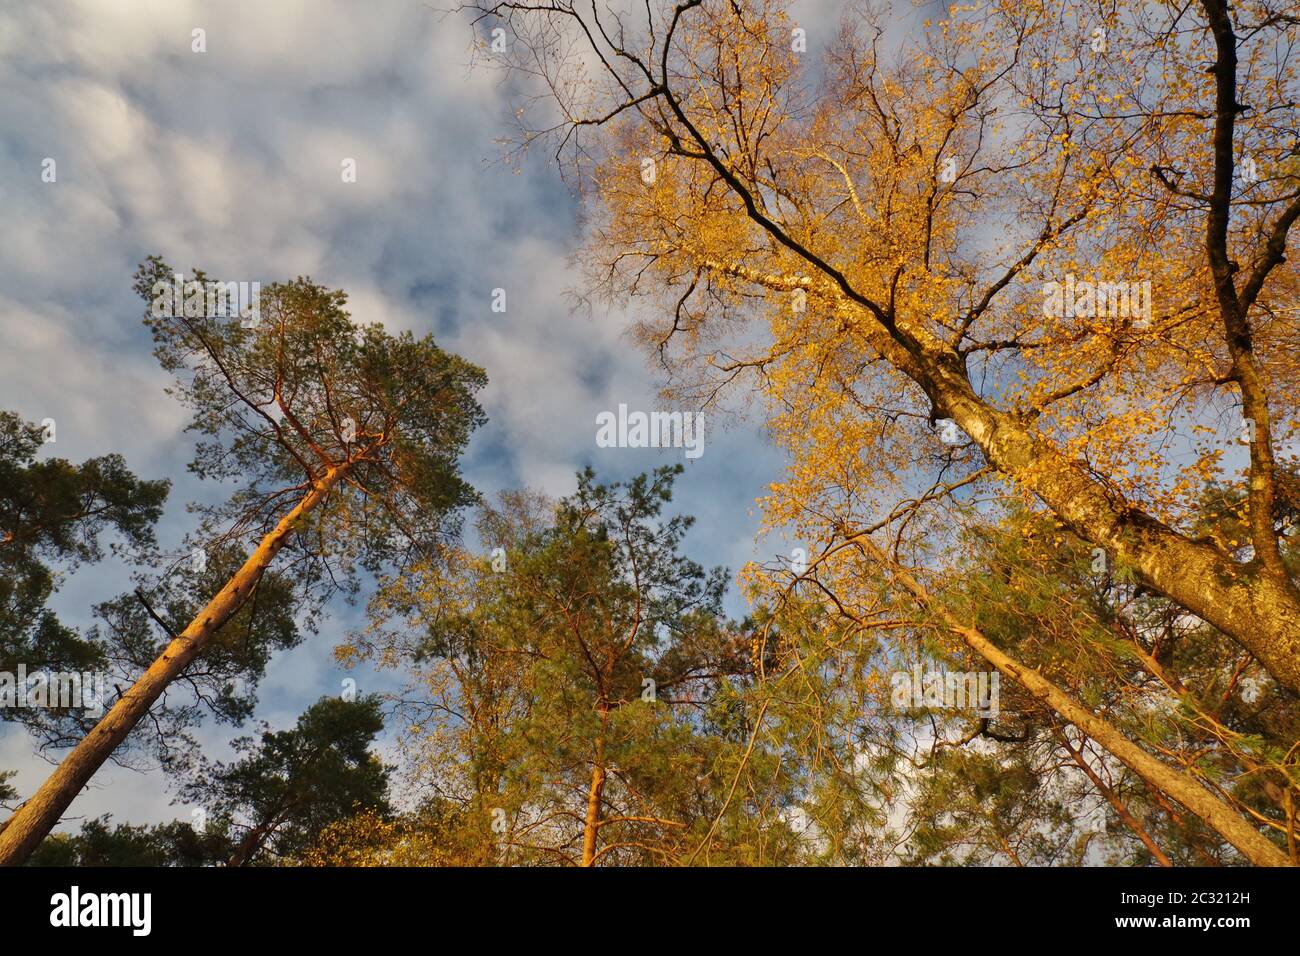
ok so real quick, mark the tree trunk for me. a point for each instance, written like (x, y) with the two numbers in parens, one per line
(1258, 609)
(37, 816)
(1180, 786)
(591, 827)
(251, 843)
(1257, 605)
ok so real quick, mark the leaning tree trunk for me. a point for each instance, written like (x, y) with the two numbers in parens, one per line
(251, 843)
(34, 820)
(1257, 607)
(1180, 786)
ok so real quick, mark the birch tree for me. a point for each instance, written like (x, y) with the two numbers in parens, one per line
(1024, 247)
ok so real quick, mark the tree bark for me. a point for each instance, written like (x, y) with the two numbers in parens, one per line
(591, 827)
(1256, 604)
(36, 817)
(1258, 609)
(253, 842)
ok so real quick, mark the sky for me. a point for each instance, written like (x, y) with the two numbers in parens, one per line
(231, 160)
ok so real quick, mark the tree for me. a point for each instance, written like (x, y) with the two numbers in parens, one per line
(100, 844)
(580, 695)
(287, 789)
(1158, 723)
(1177, 783)
(54, 515)
(1171, 683)
(290, 785)
(344, 442)
(436, 833)
(54, 509)
(1034, 248)
(221, 681)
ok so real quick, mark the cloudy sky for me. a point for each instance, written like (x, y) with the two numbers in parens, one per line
(230, 160)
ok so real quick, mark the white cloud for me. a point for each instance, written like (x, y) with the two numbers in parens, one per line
(230, 160)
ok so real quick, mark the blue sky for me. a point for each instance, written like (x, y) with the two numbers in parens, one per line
(230, 160)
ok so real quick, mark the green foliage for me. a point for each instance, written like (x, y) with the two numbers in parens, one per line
(271, 804)
(290, 785)
(54, 516)
(597, 653)
(100, 844)
(1164, 678)
(306, 390)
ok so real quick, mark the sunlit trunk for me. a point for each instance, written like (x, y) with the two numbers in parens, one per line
(1258, 609)
(36, 817)
(1180, 786)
